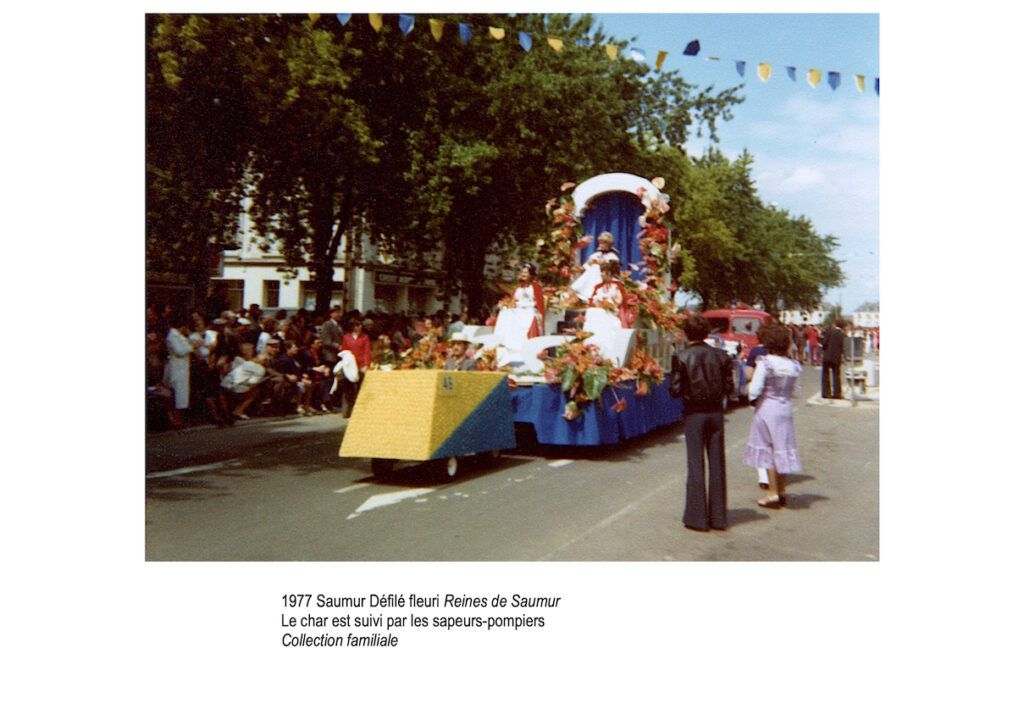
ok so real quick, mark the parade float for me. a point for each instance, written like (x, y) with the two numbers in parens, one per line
(579, 352)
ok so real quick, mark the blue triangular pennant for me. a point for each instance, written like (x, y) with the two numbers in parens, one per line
(583, 42)
(343, 18)
(876, 86)
(465, 32)
(791, 71)
(833, 79)
(526, 41)
(692, 47)
(405, 23)
(741, 67)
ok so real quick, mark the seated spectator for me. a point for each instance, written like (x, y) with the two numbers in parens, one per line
(383, 355)
(244, 380)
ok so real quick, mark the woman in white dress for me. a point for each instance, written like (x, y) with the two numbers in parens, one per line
(590, 278)
(607, 299)
(526, 320)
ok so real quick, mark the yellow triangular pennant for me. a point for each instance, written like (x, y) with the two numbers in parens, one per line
(764, 71)
(376, 21)
(814, 77)
(860, 83)
(497, 33)
(556, 44)
(313, 17)
(436, 28)
(612, 51)
(662, 54)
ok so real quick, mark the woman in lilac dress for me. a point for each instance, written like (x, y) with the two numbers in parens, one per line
(772, 443)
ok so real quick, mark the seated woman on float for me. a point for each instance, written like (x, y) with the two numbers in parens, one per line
(526, 319)
(607, 301)
(590, 278)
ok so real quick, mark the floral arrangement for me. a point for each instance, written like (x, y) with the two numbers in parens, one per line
(581, 370)
(487, 360)
(646, 371)
(427, 354)
(555, 254)
(646, 303)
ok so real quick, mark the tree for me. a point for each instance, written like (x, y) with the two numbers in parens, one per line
(197, 137)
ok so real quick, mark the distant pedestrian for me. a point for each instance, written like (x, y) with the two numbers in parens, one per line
(702, 376)
(812, 345)
(832, 360)
(177, 369)
(772, 443)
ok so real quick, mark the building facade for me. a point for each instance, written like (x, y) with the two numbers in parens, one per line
(254, 274)
(803, 317)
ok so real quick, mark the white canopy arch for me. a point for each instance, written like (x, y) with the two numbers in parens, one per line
(612, 182)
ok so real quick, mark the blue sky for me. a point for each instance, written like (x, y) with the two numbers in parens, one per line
(816, 150)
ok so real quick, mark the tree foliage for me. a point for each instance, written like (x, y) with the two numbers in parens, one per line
(424, 146)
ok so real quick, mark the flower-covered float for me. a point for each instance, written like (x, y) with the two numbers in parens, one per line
(580, 349)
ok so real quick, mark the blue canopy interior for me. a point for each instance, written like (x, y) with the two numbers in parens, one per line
(619, 213)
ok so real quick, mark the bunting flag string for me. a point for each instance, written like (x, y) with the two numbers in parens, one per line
(406, 24)
(437, 29)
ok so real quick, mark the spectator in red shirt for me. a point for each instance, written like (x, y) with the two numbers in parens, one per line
(356, 342)
(813, 345)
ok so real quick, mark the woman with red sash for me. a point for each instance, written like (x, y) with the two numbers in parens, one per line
(610, 294)
(529, 294)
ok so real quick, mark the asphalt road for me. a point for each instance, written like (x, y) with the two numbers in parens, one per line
(276, 490)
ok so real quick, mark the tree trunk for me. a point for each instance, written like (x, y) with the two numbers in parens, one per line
(328, 230)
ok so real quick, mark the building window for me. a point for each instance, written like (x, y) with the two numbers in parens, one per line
(307, 292)
(233, 292)
(271, 293)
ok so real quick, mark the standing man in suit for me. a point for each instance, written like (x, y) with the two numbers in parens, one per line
(832, 360)
(702, 376)
(331, 334)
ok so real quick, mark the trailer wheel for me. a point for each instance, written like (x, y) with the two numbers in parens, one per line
(450, 468)
(444, 469)
(381, 466)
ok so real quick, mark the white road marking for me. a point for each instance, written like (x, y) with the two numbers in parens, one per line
(560, 463)
(378, 501)
(192, 469)
(353, 486)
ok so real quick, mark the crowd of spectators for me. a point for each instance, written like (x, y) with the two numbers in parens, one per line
(235, 365)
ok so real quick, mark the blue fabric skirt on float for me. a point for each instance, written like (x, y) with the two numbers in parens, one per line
(543, 406)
